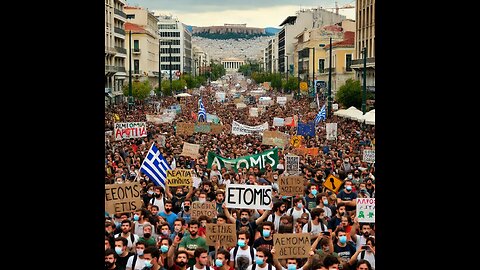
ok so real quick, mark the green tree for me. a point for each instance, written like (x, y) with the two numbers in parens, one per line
(276, 81)
(140, 89)
(190, 80)
(290, 85)
(217, 71)
(350, 94)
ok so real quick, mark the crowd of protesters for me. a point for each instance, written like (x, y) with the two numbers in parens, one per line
(162, 235)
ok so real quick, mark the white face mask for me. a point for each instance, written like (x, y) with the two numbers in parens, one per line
(201, 200)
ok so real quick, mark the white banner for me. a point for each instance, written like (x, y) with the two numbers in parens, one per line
(248, 196)
(282, 100)
(366, 210)
(278, 122)
(241, 105)
(369, 156)
(331, 131)
(240, 129)
(292, 164)
(129, 130)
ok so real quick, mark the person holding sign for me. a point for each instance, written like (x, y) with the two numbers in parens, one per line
(245, 222)
(292, 263)
(261, 259)
(298, 209)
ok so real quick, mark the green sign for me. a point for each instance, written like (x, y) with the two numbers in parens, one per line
(257, 160)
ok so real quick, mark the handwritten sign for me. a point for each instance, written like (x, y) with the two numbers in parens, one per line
(190, 150)
(121, 198)
(185, 128)
(248, 196)
(369, 156)
(216, 129)
(292, 164)
(179, 177)
(366, 210)
(291, 185)
(129, 130)
(291, 245)
(202, 128)
(225, 233)
(208, 209)
(331, 131)
(275, 138)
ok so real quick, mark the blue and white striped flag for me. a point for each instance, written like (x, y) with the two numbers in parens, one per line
(202, 113)
(155, 166)
(321, 115)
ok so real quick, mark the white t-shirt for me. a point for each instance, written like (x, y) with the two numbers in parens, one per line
(301, 268)
(139, 264)
(328, 211)
(261, 268)
(130, 245)
(139, 228)
(242, 253)
(316, 229)
(195, 268)
(276, 223)
(158, 202)
(368, 257)
(297, 214)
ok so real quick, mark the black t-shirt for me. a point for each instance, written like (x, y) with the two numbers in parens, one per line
(177, 203)
(345, 252)
(122, 261)
(262, 242)
(252, 226)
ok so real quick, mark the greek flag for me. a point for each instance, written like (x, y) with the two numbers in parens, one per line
(322, 114)
(155, 166)
(202, 113)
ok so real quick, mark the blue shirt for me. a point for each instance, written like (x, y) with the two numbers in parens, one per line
(170, 218)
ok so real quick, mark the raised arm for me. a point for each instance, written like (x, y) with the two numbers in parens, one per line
(309, 260)
(227, 214)
(190, 193)
(276, 263)
(264, 215)
(168, 193)
(353, 231)
(171, 251)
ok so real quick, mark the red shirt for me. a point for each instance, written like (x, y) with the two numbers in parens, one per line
(216, 268)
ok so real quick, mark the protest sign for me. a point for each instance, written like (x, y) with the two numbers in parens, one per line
(366, 210)
(225, 233)
(291, 245)
(291, 185)
(184, 128)
(369, 156)
(312, 151)
(275, 138)
(248, 196)
(216, 129)
(240, 129)
(292, 164)
(179, 177)
(208, 209)
(332, 183)
(190, 150)
(296, 141)
(253, 112)
(278, 122)
(129, 130)
(331, 131)
(282, 100)
(122, 198)
(202, 128)
(257, 160)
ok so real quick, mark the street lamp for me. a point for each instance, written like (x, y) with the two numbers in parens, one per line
(170, 65)
(329, 95)
(364, 92)
(159, 66)
(130, 94)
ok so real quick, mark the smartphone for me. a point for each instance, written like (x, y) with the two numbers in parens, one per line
(326, 233)
(180, 235)
(365, 247)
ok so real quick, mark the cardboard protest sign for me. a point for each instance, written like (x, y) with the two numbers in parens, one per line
(248, 196)
(216, 129)
(291, 245)
(241, 105)
(190, 150)
(369, 156)
(225, 233)
(185, 128)
(208, 209)
(331, 131)
(275, 138)
(179, 177)
(253, 112)
(202, 128)
(291, 185)
(121, 198)
(129, 130)
(366, 210)
(282, 100)
(258, 160)
(312, 151)
(292, 164)
(332, 183)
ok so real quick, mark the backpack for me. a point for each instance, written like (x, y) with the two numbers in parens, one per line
(362, 255)
(291, 210)
(191, 267)
(309, 227)
(235, 250)
(255, 266)
(134, 261)
(131, 237)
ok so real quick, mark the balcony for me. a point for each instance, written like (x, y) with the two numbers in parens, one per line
(121, 50)
(110, 70)
(120, 31)
(120, 13)
(370, 60)
(347, 70)
(136, 51)
(121, 69)
(110, 50)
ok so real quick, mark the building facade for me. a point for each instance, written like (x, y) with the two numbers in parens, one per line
(144, 44)
(365, 38)
(271, 55)
(201, 61)
(232, 64)
(175, 40)
(115, 52)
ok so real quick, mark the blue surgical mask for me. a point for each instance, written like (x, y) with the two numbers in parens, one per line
(299, 205)
(136, 217)
(348, 188)
(218, 263)
(258, 260)
(314, 192)
(284, 197)
(350, 176)
(164, 248)
(241, 243)
(148, 263)
(266, 233)
(343, 239)
(139, 252)
(325, 202)
(118, 250)
(292, 267)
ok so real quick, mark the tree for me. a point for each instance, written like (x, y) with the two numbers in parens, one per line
(290, 85)
(140, 89)
(190, 80)
(350, 94)
(276, 81)
(217, 71)
(177, 85)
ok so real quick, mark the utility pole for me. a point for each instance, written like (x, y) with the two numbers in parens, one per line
(364, 94)
(130, 94)
(159, 67)
(170, 66)
(329, 103)
(313, 73)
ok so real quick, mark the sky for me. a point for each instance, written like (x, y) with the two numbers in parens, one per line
(255, 13)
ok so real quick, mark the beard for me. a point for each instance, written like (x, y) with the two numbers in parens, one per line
(193, 233)
(181, 264)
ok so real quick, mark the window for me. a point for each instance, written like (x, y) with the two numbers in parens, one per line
(174, 42)
(321, 65)
(167, 50)
(136, 66)
(136, 46)
(130, 16)
(348, 58)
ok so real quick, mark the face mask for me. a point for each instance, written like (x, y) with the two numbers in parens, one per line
(266, 233)
(241, 243)
(147, 235)
(244, 219)
(350, 176)
(327, 249)
(135, 217)
(148, 263)
(168, 210)
(218, 263)
(118, 250)
(150, 192)
(325, 202)
(201, 200)
(156, 195)
(314, 192)
(258, 260)
(299, 205)
(343, 239)
(164, 248)
(292, 267)
(165, 233)
(348, 188)
(139, 252)
(186, 208)
(179, 194)
(181, 264)
(108, 265)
